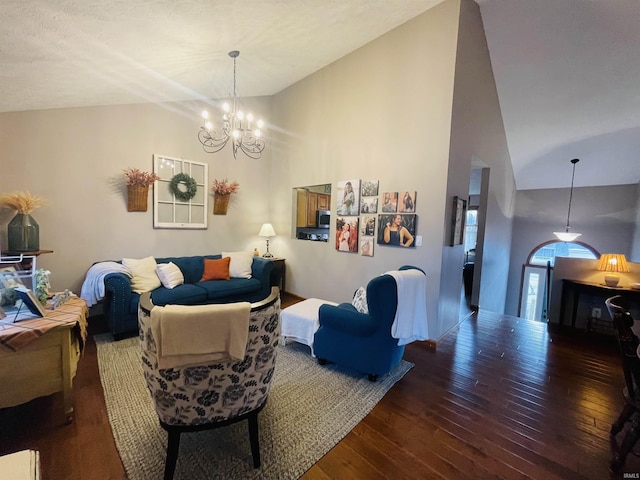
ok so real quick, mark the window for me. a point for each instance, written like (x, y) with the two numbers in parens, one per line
(547, 252)
(471, 233)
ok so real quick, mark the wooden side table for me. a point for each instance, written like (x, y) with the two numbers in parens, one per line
(47, 363)
(279, 273)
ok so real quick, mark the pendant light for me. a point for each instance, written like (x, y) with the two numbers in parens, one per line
(567, 236)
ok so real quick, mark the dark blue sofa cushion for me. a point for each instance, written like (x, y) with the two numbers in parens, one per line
(185, 294)
(229, 288)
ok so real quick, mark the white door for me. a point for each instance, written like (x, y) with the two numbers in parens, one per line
(533, 305)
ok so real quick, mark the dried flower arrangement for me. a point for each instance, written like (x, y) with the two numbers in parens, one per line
(223, 187)
(23, 202)
(137, 177)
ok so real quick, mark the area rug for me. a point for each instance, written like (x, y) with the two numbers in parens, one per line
(310, 409)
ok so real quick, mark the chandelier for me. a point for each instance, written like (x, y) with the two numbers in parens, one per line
(237, 126)
(567, 236)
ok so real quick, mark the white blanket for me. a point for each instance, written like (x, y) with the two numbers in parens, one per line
(410, 322)
(200, 334)
(93, 286)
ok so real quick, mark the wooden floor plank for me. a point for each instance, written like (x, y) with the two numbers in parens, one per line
(501, 398)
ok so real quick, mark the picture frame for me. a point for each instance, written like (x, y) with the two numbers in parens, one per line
(31, 301)
(389, 202)
(402, 230)
(407, 202)
(347, 234)
(348, 197)
(457, 221)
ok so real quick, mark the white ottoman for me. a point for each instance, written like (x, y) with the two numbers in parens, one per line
(299, 322)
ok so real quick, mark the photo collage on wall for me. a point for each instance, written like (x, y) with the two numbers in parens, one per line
(396, 223)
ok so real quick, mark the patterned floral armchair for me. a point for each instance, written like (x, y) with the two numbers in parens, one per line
(209, 396)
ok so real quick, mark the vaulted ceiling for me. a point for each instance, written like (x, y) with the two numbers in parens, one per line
(566, 70)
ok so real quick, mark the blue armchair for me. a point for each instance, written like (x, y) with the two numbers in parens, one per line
(362, 341)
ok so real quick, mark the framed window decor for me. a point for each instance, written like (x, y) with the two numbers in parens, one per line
(457, 221)
(180, 196)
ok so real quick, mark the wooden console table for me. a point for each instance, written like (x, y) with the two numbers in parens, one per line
(39, 356)
(573, 289)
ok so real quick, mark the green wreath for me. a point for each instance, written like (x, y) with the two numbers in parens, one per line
(187, 181)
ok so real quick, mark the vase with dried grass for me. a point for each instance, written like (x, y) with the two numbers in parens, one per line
(23, 232)
(138, 188)
(222, 191)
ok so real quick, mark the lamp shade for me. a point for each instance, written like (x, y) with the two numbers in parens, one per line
(613, 262)
(267, 231)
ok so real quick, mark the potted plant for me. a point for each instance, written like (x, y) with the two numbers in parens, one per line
(222, 191)
(138, 188)
(23, 231)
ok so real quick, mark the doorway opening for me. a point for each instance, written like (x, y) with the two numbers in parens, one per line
(537, 272)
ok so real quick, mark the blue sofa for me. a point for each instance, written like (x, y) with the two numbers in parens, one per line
(362, 341)
(121, 303)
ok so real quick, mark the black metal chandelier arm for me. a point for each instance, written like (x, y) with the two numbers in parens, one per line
(252, 149)
(211, 144)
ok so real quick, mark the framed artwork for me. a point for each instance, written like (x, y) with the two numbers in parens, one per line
(348, 197)
(369, 205)
(389, 202)
(175, 203)
(347, 234)
(369, 188)
(366, 246)
(397, 230)
(368, 226)
(407, 202)
(457, 221)
(32, 303)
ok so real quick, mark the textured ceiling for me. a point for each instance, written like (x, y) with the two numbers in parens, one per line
(566, 70)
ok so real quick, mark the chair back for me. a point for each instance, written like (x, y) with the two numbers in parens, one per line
(202, 394)
(627, 342)
(382, 297)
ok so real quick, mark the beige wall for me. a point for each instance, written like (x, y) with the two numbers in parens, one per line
(477, 140)
(382, 112)
(74, 159)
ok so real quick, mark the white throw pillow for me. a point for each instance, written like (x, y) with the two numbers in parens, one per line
(360, 300)
(170, 275)
(144, 278)
(240, 264)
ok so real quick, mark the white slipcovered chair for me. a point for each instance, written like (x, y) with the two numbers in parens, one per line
(202, 397)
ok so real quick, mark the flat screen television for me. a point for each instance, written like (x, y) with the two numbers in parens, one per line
(323, 218)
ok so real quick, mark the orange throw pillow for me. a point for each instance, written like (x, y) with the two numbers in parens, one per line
(216, 269)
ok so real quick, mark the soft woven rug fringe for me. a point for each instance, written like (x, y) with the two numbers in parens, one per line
(310, 409)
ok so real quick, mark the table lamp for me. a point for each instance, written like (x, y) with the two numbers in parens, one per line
(267, 231)
(612, 263)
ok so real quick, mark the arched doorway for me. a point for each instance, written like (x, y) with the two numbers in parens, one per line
(537, 271)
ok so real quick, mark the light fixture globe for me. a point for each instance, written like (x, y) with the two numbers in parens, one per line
(244, 132)
(567, 236)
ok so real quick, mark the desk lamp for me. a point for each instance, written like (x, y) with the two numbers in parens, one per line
(267, 231)
(612, 263)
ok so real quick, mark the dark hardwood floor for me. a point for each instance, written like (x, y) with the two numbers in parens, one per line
(501, 398)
